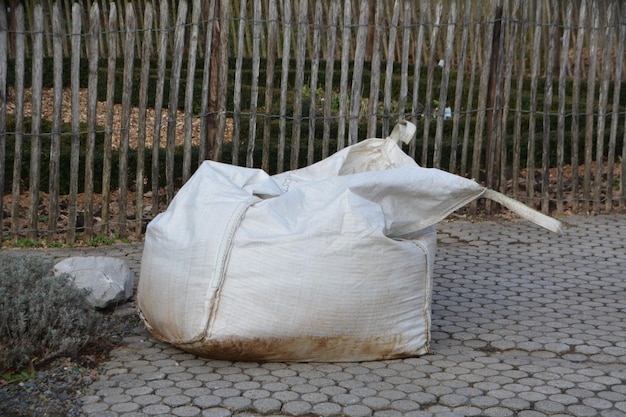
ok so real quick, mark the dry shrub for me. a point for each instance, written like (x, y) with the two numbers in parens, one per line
(41, 316)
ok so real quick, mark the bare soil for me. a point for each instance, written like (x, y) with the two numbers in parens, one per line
(47, 112)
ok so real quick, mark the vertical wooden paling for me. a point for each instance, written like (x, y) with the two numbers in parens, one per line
(510, 34)
(146, 47)
(272, 29)
(562, 93)
(443, 88)
(387, 86)
(237, 87)
(284, 87)
(172, 107)
(532, 121)
(485, 72)
(108, 123)
(419, 44)
(617, 79)
(206, 77)
(494, 134)
(357, 75)
(18, 18)
(458, 90)
(254, 84)
(474, 66)
(35, 140)
(3, 107)
(315, 64)
(162, 49)
(517, 124)
(553, 44)
(189, 87)
(404, 61)
(92, 109)
(302, 26)
(372, 116)
(590, 104)
(75, 146)
(577, 76)
(346, 38)
(55, 138)
(129, 61)
(223, 79)
(605, 78)
(331, 44)
(430, 80)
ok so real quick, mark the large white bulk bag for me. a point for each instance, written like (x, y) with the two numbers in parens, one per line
(332, 262)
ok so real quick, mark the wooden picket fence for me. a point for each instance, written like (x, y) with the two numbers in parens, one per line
(526, 97)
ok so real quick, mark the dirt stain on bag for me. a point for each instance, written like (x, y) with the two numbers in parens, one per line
(300, 349)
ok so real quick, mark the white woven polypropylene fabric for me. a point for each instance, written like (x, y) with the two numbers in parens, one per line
(332, 262)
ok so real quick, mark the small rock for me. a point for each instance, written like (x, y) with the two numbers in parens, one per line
(109, 280)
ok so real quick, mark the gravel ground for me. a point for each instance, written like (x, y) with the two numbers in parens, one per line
(57, 387)
(52, 392)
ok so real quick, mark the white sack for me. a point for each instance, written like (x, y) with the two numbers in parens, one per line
(332, 262)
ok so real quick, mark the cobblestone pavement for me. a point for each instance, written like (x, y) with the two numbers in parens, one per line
(525, 323)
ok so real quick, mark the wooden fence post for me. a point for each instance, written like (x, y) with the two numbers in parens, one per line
(237, 86)
(108, 131)
(222, 78)
(560, 154)
(158, 102)
(458, 91)
(284, 87)
(346, 37)
(331, 43)
(212, 72)
(376, 19)
(172, 107)
(391, 46)
(590, 104)
(534, 85)
(269, 82)
(92, 107)
(146, 47)
(55, 139)
(75, 146)
(189, 85)
(443, 88)
(553, 40)
(428, 99)
(315, 64)
(419, 46)
(254, 87)
(617, 79)
(298, 82)
(493, 113)
(605, 78)
(577, 76)
(3, 107)
(129, 65)
(357, 75)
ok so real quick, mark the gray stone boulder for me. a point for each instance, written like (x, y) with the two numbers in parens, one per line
(109, 280)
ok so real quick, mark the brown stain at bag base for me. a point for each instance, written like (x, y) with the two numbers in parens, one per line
(301, 349)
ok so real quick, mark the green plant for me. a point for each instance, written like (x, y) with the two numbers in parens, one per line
(22, 376)
(27, 243)
(41, 316)
(101, 240)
